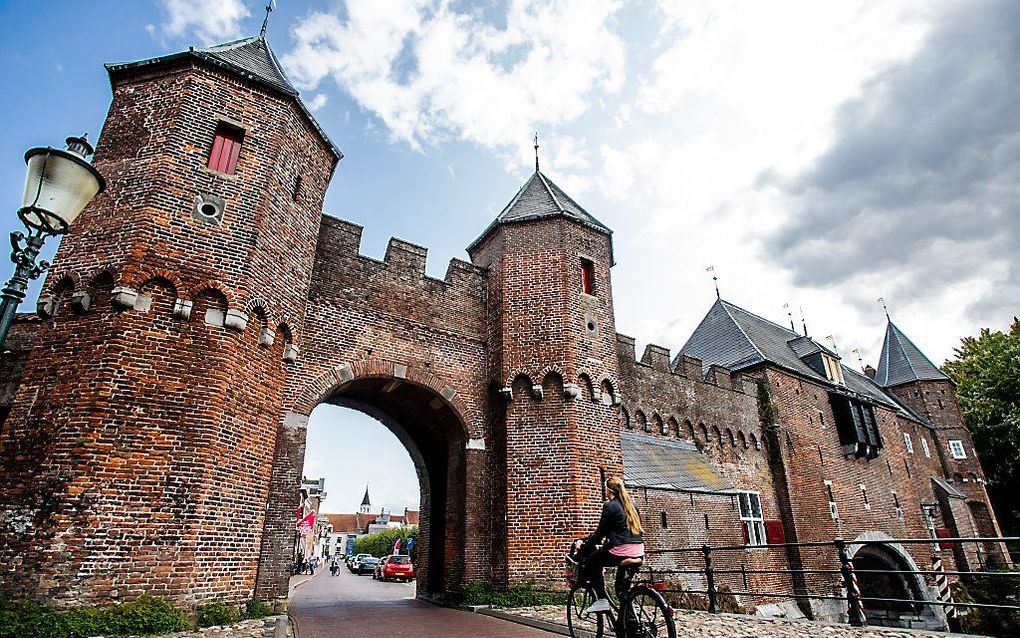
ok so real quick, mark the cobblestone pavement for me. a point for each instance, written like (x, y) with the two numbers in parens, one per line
(357, 606)
(259, 628)
(700, 624)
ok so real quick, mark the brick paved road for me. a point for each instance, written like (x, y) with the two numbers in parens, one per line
(357, 606)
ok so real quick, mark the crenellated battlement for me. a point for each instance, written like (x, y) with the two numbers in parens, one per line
(683, 366)
(404, 261)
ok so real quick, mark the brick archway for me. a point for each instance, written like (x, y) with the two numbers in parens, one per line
(422, 410)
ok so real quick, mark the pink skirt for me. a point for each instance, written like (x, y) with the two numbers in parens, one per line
(628, 550)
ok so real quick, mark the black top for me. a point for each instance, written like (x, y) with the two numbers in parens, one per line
(613, 528)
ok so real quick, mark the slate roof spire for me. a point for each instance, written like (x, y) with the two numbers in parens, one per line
(366, 500)
(540, 198)
(902, 361)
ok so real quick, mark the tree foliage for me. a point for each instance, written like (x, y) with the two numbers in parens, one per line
(986, 370)
(381, 543)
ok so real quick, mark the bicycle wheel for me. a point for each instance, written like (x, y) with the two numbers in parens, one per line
(579, 624)
(646, 615)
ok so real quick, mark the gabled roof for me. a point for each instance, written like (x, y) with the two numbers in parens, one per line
(666, 463)
(540, 198)
(903, 362)
(251, 58)
(737, 339)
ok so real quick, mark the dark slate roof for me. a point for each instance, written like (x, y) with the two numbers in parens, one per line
(652, 462)
(251, 58)
(737, 339)
(366, 500)
(903, 362)
(540, 198)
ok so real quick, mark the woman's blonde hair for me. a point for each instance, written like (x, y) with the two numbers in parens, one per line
(615, 485)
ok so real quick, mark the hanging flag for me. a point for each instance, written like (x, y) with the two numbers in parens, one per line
(307, 524)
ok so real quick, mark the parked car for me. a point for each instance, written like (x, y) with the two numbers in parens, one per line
(395, 567)
(367, 565)
(355, 563)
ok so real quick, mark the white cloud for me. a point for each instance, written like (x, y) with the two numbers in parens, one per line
(211, 21)
(431, 73)
(318, 101)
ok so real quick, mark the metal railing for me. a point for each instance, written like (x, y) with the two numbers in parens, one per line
(843, 583)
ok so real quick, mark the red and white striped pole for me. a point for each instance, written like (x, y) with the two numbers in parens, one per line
(942, 585)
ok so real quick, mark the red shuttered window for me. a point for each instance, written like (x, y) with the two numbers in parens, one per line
(587, 277)
(226, 146)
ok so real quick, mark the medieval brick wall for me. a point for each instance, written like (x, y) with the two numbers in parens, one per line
(423, 342)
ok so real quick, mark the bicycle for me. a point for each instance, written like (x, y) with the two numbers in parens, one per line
(640, 612)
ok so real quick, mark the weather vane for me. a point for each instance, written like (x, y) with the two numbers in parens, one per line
(715, 280)
(265, 23)
(789, 314)
(536, 151)
(882, 301)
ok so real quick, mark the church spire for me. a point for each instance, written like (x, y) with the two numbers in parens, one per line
(366, 502)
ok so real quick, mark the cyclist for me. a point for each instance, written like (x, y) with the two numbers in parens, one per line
(620, 533)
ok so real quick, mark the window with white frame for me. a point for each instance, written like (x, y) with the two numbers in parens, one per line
(925, 448)
(751, 519)
(956, 449)
(908, 443)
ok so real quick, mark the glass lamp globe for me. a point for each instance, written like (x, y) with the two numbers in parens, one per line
(58, 186)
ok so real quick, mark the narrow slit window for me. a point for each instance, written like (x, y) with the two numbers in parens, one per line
(297, 188)
(225, 149)
(587, 276)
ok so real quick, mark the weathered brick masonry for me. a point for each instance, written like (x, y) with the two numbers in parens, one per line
(154, 412)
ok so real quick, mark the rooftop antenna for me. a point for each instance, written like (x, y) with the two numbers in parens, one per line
(536, 151)
(715, 280)
(789, 314)
(857, 351)
(803, 322)
(882, 301)
(265, 23)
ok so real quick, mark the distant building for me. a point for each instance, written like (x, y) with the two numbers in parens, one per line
(343, 529)
(310, 531)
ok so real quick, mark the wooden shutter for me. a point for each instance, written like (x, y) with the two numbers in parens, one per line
(225, 149)
(587, 277)
(774, 533)
(944, 532)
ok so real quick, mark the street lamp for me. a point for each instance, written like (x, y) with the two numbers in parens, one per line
(58, 186)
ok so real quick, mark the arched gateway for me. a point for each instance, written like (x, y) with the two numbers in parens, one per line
(203, 306)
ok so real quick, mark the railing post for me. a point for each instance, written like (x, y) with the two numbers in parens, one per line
(713, 601)
(855, 607)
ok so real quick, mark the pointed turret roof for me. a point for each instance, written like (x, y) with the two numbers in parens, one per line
(250, 58)
(540, 198)
(903, 362)
(366, 500)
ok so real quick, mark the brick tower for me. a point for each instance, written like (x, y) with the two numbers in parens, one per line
(904, 371)
(553, 358)
(137, 451)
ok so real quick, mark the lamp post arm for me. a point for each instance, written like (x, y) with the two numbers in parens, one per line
(24, 252)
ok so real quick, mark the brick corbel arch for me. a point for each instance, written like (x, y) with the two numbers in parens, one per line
(322, 387)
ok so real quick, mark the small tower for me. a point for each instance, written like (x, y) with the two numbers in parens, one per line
(904, 371)
(366, 503)
(170, 320)
(555, 366)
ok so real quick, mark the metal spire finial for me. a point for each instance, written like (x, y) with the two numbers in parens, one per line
(536, 151)
(803, 321)
(265, 23)
(857, 351)
(715, 280)
(882, 301)
(789, 314)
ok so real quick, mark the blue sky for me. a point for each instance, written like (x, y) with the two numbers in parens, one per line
(816, 154)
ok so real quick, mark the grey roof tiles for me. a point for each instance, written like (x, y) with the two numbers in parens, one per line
(671, 464)
(903, 362)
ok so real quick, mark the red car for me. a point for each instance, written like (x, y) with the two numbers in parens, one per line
(395, 567)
